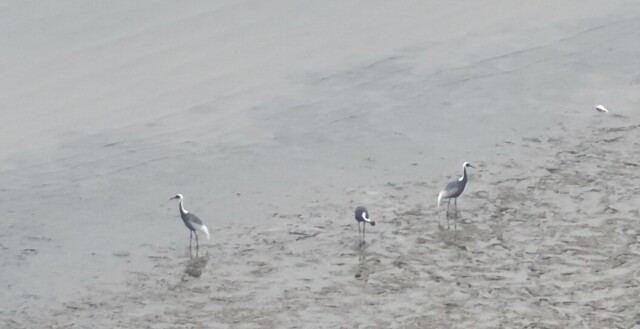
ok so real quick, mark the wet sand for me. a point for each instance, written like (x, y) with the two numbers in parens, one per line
(551, 243)
(276, 138)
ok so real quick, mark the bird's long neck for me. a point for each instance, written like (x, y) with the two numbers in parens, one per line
(182, 210)
(464, 175)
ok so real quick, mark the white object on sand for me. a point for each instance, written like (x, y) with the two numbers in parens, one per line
(192, 222)
(601, 108)
(453, 190)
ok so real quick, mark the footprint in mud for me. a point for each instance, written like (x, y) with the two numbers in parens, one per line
(453, 238)
(403, 263)
(26, 253)
(263, 269)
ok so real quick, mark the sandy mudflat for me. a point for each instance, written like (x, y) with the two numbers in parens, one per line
(276, 120)
(551, 242)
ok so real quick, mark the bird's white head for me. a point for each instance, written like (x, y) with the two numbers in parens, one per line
(467, 165)
(177, 196)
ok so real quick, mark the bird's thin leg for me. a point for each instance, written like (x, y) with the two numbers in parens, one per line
(190, 251)
(197, 243)
(455, 206)
(364, 225)
(455, 222)
(448, 204)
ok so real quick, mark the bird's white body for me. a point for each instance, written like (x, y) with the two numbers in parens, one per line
(601, 108)
(364, 216)
(453, 190)
(442, 194)
(203, 229)
(192, 222)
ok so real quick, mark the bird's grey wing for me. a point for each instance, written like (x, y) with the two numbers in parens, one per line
(452, 188)
(194, 219)
(359, 211)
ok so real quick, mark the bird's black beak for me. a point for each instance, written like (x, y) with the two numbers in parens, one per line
(471, 166)
(173, 198)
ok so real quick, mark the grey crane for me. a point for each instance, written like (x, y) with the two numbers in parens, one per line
(453, 190)
(362, 216)
(192, 222)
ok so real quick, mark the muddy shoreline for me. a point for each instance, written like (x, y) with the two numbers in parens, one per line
(550, 243)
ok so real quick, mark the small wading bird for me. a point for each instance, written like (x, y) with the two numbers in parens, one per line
(192, 222)
(453, 190)
(362, 216)
(601, 108)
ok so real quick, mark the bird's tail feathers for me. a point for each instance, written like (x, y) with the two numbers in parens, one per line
(205, 230)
